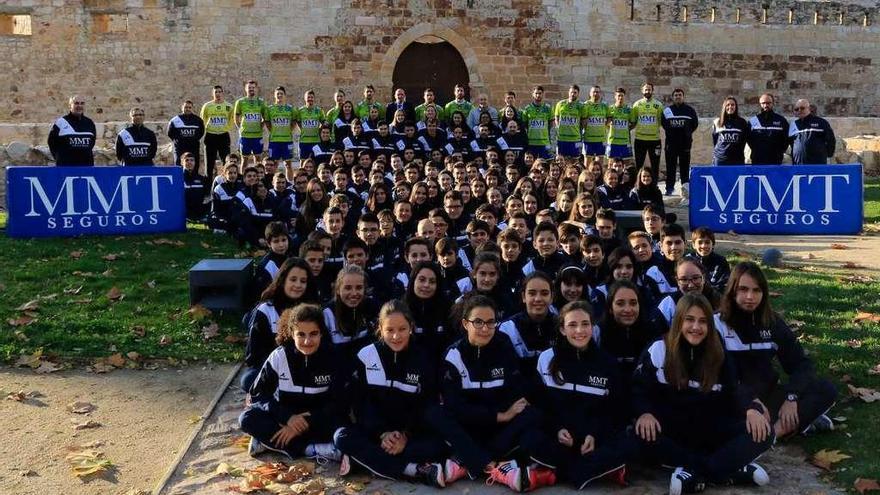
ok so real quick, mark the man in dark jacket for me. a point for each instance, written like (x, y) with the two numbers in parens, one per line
(186, 131)
(136, 145)
(769, 137)
(400, 103)
(73, 136)
(812, 139)
(679, 121)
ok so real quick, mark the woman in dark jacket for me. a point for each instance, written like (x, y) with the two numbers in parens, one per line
(430, 309)
(394, 384)
(298, 399)
(730, 132)
(691, 413)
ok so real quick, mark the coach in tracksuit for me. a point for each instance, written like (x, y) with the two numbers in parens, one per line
(679, 122)
(394, 383)
(297, 400)
(691, 412)
(812, 139)
(768, 138)
(754, 335)
(186, 131)
(72, 137)
(136, 145)
(584, 409)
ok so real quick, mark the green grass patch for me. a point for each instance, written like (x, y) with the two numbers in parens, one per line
(71, 280)
(872, 200)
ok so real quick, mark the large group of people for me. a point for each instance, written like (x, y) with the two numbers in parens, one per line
(441, 299)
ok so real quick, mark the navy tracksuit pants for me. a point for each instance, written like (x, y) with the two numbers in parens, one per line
(476, 446)
(612, 451)
(814, 401)
(715, 450)
(366, 450)
(262, 425)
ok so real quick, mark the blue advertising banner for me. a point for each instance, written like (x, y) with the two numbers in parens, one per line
(72, 201)
(778, 199)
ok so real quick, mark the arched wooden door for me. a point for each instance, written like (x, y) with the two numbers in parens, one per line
(430, 65)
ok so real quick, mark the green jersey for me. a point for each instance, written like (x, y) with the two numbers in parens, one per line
(217, 117)
(453, 106)
(620, 119)
(646, 115)
(420, 112)
(596, 126)
(253, 112)
(537, 120)
(568, 121)
(363, 109)
(282, 118)
(310, 120)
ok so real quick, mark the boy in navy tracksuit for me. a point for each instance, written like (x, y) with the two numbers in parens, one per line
(717, 267)
(278, 241)
(194, 186)
(548, 259)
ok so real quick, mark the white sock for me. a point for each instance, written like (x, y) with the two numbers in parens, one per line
(410, 470)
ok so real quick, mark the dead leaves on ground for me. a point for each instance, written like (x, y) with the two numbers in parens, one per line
(826, 458)
(166, 242)
(114, 294)
(863, 485)
(114, 361)
(81, 407)
(199, 313)
(38, 362)
(87, 425)
(837, 245)
(88, 462)
(211, 331)
(864, 393)
(866, 317)
(275, 477)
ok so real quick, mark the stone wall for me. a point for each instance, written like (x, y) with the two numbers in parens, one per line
(155, 53)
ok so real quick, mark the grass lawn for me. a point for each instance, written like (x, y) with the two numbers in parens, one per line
(872, 201)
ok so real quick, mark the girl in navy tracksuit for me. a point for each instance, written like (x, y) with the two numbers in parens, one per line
(394, 383)
(535, 329)
(350, 316)
(430, 308)
(298, 399)
(730, 132)
(292, 285)
(691, 413)
(484, 413)
(754, 335)
(621, 265)
(583, 437)
(692, 279)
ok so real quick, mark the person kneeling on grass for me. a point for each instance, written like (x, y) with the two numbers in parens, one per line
(485, 415)
(753, 335)
(691, 413)
(583, 437)
(297, 400)
(394, 383)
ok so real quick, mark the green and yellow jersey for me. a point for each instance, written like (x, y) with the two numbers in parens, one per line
(620, 119)
(253, 112)
(537, 119)
(217, 117)
(568, 121)
(310, 120)
(362, 110)
(596, 121)
(282, 118)
(646, 115)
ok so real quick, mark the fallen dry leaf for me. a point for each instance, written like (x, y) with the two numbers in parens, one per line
(853, 343)
(29, 306)
(194, 419)
(206, 245)
(241, 441)
(845, 379)
(864, 393)
(857, 279)
(165, 340)
(83, 274)
(210, 331)
(110, 257)
(100, 366)
(863, 485)
(21, 321)
(82, 301)
(875, 370)
(73, 290)
(46, 367)
(116, 360)
(30, 360)
(80, 407)
(224, 468)
(837, 245)
(151, 284)
(796, 325)
(87, 425)
(107, 273)
(88, 462)
(852, 266)
(138, 331)
(114, 294)
(134, 356)
(77, 254)
(867, 317)
(825, 458)
(234, 339)
(199, 312)
(19, 396)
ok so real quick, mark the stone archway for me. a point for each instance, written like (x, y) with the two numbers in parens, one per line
(430, 63)
(440, 35)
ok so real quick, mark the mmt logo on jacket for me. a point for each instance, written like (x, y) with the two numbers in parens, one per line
(783, 199)
(72, 201)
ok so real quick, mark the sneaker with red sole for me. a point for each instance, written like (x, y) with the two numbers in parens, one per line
(537, 476)
(453, 471)
(618, 476)
(506, 473)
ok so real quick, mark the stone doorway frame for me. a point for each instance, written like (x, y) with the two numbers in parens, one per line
(386, 73)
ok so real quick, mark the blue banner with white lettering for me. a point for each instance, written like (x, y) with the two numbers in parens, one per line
(73, 201)
(778, 199)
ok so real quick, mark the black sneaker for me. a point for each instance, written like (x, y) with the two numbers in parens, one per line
(822, 423)
(431, 474)
(750, 474)
(683, 481)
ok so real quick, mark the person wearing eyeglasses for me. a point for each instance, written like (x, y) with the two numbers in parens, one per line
(136, 145)
(691, 278)
(485, 415)
(769, 137)
(812, 139)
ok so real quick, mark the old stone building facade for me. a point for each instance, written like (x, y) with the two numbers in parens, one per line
(155, 53)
